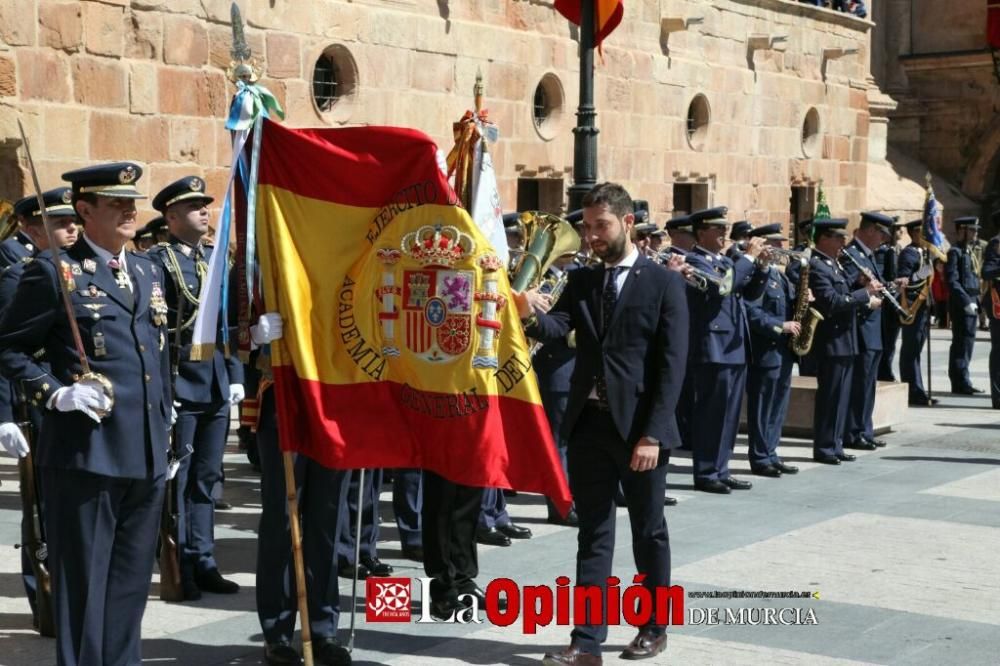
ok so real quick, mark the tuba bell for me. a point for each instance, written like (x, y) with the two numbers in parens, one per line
(546, 238)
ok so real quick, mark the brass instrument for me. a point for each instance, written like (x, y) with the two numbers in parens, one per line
(784, 256)
(807, 316)
(546, 238)
(554, 286)
(698, 278)
(8, 222)
(908, 311)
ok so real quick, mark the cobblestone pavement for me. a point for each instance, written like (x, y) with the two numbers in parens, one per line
(900, 548)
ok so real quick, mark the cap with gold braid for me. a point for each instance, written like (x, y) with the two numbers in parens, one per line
(189, 188)
(115, 179)
(58, 203)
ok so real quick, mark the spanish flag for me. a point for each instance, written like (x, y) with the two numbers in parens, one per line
(607, 15)
(401, 346)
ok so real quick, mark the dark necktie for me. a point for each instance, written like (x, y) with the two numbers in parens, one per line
(608, 299)
(120, 278)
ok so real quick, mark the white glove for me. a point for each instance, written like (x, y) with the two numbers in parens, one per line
(236, 394)
(12, 440)
(267, 329)
(970, 309)
(85, 396)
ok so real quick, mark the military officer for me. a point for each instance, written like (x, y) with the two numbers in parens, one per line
(769, 380)
(717, 356)
(59, 210)
(681, 242)
(836, 342)
(991, 303)
(963, 305)
(150, 234)
(887, 258)
(204, 390)
(102, 461)
(738, 236)
(857, 258)
(681, 234)
(915, 271)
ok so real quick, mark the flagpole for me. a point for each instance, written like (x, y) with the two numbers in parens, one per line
(585, 133)
(291, 496)
(357, 552)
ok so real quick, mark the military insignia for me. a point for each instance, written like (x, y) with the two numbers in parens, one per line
(90, 266)
(67, 275)
(157, 305)
(67, 196)
(185, 249)
(196, 184)
(127, 175)
(138, 269)
(99, 348)
(75, 269)
(94, 306)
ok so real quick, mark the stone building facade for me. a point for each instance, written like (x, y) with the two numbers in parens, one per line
(745, 103)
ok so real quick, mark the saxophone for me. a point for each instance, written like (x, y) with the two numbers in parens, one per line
(808, 317)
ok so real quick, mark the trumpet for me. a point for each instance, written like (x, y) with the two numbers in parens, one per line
(698, 278)
(785, 256)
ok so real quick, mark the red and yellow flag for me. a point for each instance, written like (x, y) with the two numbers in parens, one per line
(607, 15)
(401, 347)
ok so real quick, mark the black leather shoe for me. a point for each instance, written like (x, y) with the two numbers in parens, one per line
(571, 656)
(376, 567)
(737, 484)
(827, 460)
(923, 402)
(712, 486)
(415, 553)
(877, 442)
(766, 470)
(212, 581)
(190, 589)
(329, 652)
(846, 457)
(347, 571)
(492, 537)
(966, 390)
(514, 531)
(645, 645)
(445, 609)
(480, 596)
(281, 654)
(861, 445)
(786, 469)
(669, 501)
(571, 519)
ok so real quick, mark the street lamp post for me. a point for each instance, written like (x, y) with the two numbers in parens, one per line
(585, 132)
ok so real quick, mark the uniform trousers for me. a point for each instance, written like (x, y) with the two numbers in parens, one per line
(449, 516)
(101, 533)
(833, 391)
(493, 509)
(864, 379)
(963, 338)
(598, 462)
(407, 500)
(717, 394)
(995, 361)
(321, 493)
(348, 519)
(768, 393)
(914, 337)
(890, 334)
(204, 426)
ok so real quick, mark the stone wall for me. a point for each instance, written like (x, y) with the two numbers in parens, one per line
(144, 80)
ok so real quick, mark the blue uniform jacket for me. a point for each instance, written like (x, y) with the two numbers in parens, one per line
(869, 321)
(963, 283)
(837, 334)
(991, 271)
(197, 381)
(718, 327)
(132, 441)
(886, 257)
(642, 354)
(15, 249)
(767, 314)
(9, 395)
(911, 259)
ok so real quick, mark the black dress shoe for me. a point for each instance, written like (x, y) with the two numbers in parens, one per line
(212, 581)
(492, 537)
(376, 567)
(766, 470)
(347, 571)
(571, 519)
(877, 442)
(846, 457)
(737, 484)
(480, 595)
(669, 501)
(445, 609)
(329, 652)
(415, 553)
(571, 656)
(827, 460)
(190, 589)
(923, 402)
(281, 654)
(966, 390)
(515, 531)
(786, 469)
(712, 486)
(645, 645)
(861, 445)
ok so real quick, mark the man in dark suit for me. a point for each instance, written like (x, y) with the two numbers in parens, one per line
(102, 461)
(914, 271)
(857, 258)
(963, 305)
(204, 390)
(836, 343)
(630, 319)
(718, 334)
(769, 380)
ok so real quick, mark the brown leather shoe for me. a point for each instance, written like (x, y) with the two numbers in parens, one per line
(571, 656)
(646, 645)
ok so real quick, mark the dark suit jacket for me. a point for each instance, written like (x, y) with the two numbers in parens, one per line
(643, 352)
(837, 334)
(869, 321)
(132, 441)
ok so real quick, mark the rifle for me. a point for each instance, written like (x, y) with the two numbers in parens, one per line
(33, 530)
(171, 587)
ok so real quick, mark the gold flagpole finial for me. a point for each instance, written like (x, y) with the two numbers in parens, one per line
(243, 67)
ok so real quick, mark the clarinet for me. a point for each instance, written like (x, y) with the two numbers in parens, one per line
(884, 292)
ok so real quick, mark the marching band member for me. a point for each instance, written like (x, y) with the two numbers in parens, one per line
(914, 270)
(963, 305)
